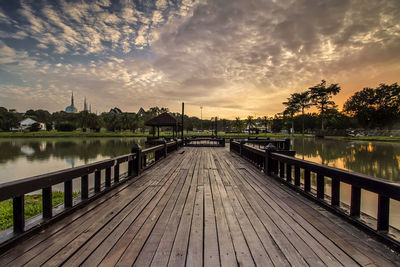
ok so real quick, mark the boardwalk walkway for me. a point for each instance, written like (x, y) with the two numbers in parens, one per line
(201, 206)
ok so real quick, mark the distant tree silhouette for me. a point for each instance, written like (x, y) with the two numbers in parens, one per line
(292, 107)
(320, 96)
(249, 122)
(303, 101)
(375, 107)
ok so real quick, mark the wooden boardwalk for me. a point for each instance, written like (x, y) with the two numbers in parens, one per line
(201, 207)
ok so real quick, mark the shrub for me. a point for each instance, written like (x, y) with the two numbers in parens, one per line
(65, 127)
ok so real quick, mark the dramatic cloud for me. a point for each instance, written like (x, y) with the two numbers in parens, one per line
(233, 57)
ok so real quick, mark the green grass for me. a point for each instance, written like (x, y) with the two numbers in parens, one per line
(46, 134)
(33, 206)
(70, 134)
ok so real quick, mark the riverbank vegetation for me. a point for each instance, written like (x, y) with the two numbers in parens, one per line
(370, 108)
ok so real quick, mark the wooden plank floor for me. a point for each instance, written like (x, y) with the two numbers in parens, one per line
(203, 207)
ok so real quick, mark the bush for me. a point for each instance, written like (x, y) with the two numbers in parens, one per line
(65, 127)
(34, 127)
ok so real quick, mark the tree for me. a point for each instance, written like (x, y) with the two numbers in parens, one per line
(265, 123)
(249, 123)
(303, 101)
(9, 119)
(35, 127)
(320, 96)
(292, 107)
(238, 125)
(375, 107)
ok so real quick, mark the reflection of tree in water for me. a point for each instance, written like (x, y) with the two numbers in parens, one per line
(327, 150)
(380, 160)
(84, 149)
(9, 151)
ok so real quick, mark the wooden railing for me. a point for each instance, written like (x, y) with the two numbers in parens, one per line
(204, 141)
(137, 161)
(291, 171)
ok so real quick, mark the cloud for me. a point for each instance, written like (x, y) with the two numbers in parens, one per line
(236, 56)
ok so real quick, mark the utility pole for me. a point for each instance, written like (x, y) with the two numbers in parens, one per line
(201, 118)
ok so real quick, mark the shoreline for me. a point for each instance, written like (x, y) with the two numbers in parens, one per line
(54, 134)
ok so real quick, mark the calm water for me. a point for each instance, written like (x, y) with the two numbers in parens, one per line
(377, 159)
(20, 158)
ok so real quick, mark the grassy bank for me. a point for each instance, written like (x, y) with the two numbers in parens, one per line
(33, 206)
(49, 134)
(69, 134)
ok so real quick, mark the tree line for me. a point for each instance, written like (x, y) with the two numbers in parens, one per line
(368, 108)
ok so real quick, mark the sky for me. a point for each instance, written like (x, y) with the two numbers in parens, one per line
(232, 57)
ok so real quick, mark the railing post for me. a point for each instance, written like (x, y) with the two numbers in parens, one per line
(47, 203)
(282, 169)
(130, 166)
(307, 180)
(355, 203)
(18, 214)
(320, 186)
(165, 149)
(268, 162)
(116, 173)
(383, 213)
(335, 192)
(288, 173)
(137, 163)
(84, 187)
(68, 194)
(296, 176)
(97, 181)
(242, 142)
(287, 144)
(108, 177)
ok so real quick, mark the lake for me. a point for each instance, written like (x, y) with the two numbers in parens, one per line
(20, 158)
(377, 159)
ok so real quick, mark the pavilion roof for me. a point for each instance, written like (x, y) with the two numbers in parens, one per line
(164, 119)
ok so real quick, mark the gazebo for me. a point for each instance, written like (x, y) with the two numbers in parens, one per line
(164, 120)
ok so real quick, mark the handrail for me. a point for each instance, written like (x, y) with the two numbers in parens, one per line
(17, 189)
(27, 185)
(376, 185)
(276, 164)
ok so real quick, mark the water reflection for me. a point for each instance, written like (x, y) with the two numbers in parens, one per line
(377, 159)
(20, 158)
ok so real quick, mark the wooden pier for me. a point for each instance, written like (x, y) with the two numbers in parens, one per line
(200, 207)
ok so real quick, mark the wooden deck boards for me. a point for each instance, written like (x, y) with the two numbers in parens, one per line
(203, 207)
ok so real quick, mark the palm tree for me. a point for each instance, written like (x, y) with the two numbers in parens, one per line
(320, 95)
(237, 124)
(303, 101)
(292, 107)
(249, 122)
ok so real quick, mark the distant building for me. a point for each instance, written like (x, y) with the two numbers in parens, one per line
(85, 108)
(141, 112)
(28, 122)
(116, 110)
(71, 108)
